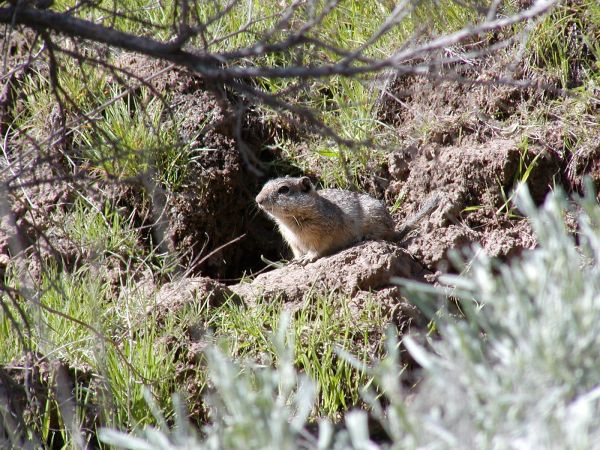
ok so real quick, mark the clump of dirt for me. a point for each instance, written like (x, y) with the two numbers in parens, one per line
(473, 175)
(506, 238)
(473, 182)
(586, 162)
(176, 295)
(367, 266)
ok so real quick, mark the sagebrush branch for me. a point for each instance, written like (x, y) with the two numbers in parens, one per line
(225, 66)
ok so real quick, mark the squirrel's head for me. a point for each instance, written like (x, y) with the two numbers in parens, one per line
(286, 196)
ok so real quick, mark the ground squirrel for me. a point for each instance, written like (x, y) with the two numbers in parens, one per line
(319, 223)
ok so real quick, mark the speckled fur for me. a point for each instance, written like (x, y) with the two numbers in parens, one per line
(319, 223)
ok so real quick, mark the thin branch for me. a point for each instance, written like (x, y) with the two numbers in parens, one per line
(211, 65)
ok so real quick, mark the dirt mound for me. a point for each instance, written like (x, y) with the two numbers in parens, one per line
(473, 141)
(367, 266)
(473, 182)
(176, 295)
(586, 162)
(464, 104)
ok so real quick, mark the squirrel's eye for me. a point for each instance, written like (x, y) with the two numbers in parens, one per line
(283, 190)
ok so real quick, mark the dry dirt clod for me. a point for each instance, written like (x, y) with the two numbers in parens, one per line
(367, 266)
(473, 182)
(174, 296)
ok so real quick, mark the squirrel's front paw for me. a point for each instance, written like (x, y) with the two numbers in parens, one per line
(307, 259)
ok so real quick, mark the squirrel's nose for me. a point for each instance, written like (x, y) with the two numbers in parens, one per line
(260, 198)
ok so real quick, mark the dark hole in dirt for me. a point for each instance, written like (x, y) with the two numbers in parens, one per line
(217, 209)
(211, 216)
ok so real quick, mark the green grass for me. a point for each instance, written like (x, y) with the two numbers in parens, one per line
(37, 105)
(137, 16)
(567, 40)
(130, 355)
(111, 128)
(102, 231)
(77, 320)
(527, 163)
(83, 319)
(322, 325)
(134, 136)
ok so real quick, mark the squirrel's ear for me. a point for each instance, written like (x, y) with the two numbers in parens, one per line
(306, 184)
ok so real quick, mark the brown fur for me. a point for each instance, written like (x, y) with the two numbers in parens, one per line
(319, 223)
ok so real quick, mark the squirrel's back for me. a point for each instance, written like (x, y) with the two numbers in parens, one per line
(370, 216)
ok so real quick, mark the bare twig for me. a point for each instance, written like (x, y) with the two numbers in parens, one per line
(211, 65)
